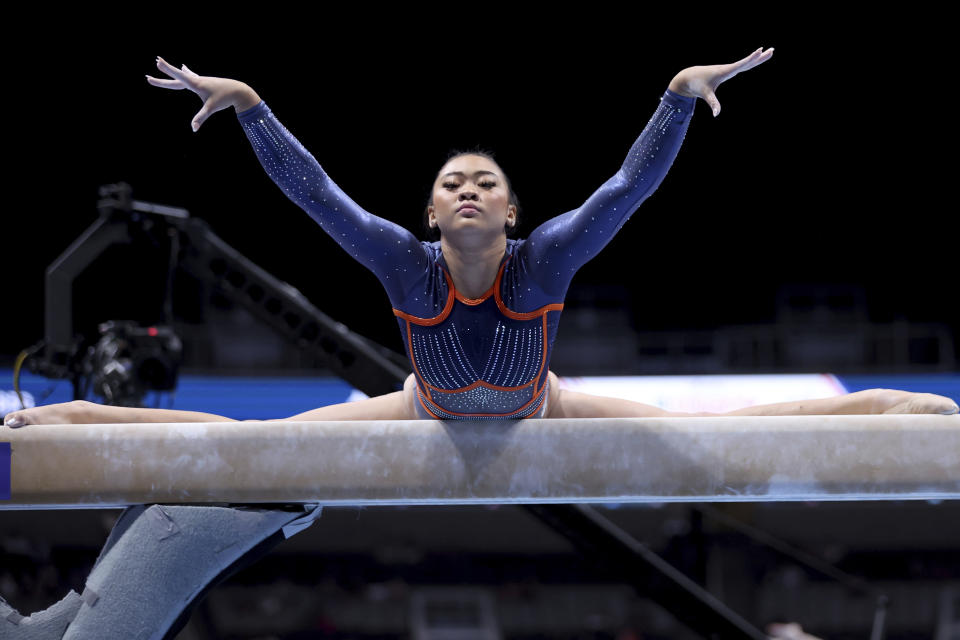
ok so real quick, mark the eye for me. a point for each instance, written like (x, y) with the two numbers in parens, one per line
(486, 183)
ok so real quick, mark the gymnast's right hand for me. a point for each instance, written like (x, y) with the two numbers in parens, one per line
(217, 93)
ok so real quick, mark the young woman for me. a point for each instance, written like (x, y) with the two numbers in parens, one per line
(478, 311)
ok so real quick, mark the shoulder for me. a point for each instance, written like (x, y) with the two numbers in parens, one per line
(518, 249)
(517, 252)
(432, 249)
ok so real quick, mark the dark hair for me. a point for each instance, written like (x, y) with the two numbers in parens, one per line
(434, 234)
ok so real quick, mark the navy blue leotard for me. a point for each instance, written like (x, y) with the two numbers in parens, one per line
(488, 357)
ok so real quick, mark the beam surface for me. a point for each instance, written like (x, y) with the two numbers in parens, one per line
(702, 459)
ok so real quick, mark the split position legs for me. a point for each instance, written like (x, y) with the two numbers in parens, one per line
(391, 406)
(565, 403)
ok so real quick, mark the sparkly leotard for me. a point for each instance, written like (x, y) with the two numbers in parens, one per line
(488, 357)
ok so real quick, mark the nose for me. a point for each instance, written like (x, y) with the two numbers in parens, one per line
(467, 195)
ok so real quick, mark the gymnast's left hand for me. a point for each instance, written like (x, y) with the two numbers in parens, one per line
(217, 93)
(702, 82)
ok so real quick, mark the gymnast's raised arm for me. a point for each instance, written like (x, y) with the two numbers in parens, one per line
(390, 251)
(556, 249)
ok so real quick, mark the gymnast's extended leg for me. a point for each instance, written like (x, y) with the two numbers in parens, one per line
(84, 412)
(391, 406)
(565, 403)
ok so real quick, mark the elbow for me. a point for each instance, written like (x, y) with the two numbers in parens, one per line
(622, 185)
(619, 181)
(633, 189)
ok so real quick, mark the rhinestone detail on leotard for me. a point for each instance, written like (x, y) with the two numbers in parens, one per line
(498, 359)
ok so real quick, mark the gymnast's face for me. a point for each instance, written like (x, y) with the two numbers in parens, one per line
(470, 197)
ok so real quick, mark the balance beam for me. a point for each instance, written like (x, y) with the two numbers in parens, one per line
(413, 462)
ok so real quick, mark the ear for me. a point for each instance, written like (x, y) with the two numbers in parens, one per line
(511, 215)
(431, 219)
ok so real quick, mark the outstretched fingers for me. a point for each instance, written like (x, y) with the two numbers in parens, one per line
(756, 58)
(166, 83)
(184, 77)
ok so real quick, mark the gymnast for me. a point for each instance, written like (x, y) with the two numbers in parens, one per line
(478, 311)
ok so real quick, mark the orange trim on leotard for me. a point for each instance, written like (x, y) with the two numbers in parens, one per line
(486, 294)
(516, 315)
(543, 356)
(543, 398)
(437, 319)
(483, 383)
(522, 315)
(495, 290)
(413, 361)
(426, 408)
(474, 301)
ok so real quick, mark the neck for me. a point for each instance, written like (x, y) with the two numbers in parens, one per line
(473, 269)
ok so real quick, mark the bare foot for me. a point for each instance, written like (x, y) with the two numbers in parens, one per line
(894, 401)
(788, 631)
(61, 413)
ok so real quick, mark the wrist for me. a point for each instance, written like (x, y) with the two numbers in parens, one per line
(677, 85)
(245, 98)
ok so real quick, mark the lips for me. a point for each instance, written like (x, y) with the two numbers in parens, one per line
(467, 207)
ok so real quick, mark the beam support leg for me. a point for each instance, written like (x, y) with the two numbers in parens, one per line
(157, 564)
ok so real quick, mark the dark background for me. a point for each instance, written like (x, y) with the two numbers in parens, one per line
(823, 167)
(830, 164)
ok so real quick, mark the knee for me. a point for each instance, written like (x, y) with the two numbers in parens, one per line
(553, 401)
(76, 408)
(554, 381)
(409, 397)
